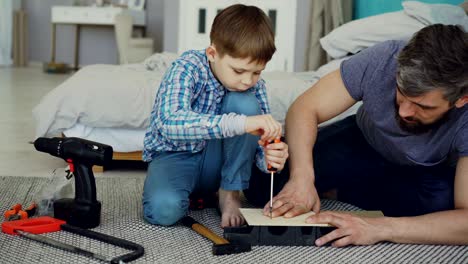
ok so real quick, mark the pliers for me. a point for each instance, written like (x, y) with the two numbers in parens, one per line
(16, 212)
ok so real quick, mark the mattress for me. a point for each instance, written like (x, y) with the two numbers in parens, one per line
(121, 139)
(282, 89)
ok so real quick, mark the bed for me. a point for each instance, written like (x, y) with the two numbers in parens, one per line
(111, 104)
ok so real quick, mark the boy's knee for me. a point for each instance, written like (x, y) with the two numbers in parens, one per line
(241, 103)
(164, 208)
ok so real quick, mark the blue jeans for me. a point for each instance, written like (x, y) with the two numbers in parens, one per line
(343, 160)
(223, 163)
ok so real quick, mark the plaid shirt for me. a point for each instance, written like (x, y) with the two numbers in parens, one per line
(186, 112)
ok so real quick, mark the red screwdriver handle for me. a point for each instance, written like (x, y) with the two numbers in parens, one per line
(270, 168)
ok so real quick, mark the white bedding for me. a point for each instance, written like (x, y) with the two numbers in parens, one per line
(129, 140)
(122, 97)
(121, 139)
(283, 88)
(99, 96)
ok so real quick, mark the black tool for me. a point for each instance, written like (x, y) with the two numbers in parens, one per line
(276, 235)
(285, 235)
(84, 210)
(32, 227)
(221, 246)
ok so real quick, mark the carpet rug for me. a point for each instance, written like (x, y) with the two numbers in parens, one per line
(122, 217)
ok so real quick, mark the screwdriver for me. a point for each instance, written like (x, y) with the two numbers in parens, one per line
(272, 171)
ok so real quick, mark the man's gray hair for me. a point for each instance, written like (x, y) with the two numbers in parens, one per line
(435, 58)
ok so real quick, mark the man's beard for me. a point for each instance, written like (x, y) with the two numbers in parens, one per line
(417, 127)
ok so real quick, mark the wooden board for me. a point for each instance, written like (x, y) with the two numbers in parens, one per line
(255, 217)
(135, 155)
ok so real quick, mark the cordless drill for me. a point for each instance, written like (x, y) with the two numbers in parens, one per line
(84, 210)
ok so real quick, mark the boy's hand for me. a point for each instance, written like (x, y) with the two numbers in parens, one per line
(276, 154)
(263, 125)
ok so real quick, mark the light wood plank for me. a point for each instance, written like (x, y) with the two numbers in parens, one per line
(98, 169)
(255, 217)
(135, 155)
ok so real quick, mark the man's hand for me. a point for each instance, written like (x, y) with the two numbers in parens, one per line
(297, 197)
(264, 126)
(351, 230)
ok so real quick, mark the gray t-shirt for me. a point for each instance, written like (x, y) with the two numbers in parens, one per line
(370, 76)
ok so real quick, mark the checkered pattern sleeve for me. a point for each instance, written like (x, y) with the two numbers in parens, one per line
(175, 119)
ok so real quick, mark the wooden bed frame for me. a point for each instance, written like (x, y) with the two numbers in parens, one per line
(134, 156)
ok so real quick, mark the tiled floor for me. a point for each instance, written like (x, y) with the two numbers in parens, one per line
(20, 90)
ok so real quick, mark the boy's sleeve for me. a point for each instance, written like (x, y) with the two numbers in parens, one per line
(262, 97)
(261, 94)
(174, 116)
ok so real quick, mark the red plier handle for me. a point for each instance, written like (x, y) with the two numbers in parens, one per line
(16, 212)
(38, 225)
(13, 211)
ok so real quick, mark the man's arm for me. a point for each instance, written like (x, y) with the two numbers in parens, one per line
(325, 100)
(446, 227)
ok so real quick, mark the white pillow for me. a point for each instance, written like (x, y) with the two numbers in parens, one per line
(160, 61)
(282, 89)
(436, 13)
(357, 35)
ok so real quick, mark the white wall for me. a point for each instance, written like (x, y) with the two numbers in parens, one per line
(302, 20)
(97, 45)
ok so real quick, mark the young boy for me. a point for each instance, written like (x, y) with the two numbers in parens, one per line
(209, 111)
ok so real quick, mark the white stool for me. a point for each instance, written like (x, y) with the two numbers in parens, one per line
(131, 50)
